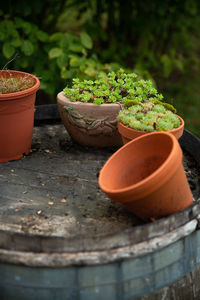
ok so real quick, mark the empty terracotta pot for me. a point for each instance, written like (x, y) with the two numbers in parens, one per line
(147, 176)
(129, 134)
(89, 124)
(16, 119)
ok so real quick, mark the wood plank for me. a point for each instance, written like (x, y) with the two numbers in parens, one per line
(53, 193)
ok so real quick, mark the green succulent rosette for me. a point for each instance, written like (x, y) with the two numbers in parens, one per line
(149, 117)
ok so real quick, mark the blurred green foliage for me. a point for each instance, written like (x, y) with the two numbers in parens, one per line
(28, 33)
(151, 35)
(161, 37)
(58, 40)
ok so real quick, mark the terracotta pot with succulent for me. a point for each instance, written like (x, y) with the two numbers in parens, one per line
(142, 118)
(89, 109)
(17, 98)
(147, 176)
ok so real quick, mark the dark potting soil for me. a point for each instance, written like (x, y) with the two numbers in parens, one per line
(54, 190)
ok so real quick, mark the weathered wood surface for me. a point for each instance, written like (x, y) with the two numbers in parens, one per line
(125, 279)
(61, 238)
(97, 257)
(54, 190)
(50, 200)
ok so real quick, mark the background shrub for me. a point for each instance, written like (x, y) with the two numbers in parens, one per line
(58, 40)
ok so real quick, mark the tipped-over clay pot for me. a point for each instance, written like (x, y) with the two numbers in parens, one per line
(89, 124)
(16, 119)
(147, 176)
(129, 134)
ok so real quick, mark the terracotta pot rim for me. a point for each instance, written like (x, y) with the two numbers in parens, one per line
(62, 98)
(129, 130)
(15, 95)
(142, 186)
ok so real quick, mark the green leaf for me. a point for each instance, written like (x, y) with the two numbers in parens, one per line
(76, 48)
(15, 34)
(73, 60)
(42, 36)
(18, 22)
(65, 41)
(2, 35)
(90, 72)
(16, 42)
(76, 61)
(84, 52)
(62, 60)
(55, 52)
(86, 40)
(56, 37)
(67, 74)
(27, 48)
(8, 50)
(8, 25)
(27, 27)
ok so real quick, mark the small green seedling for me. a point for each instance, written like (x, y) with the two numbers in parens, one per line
(10, 84)
(117, 87)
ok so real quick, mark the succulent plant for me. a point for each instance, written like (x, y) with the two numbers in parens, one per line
(116, 87)
(149, 117)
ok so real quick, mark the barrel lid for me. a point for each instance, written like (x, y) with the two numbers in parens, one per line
(51, 202)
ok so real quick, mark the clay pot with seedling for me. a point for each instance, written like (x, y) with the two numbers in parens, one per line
(17, 99)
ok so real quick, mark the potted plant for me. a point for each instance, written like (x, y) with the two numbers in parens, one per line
(147, 176)
(90, 108)
(141, 118)
(17, 98)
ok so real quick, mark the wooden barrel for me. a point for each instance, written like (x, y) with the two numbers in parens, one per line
(61, 238)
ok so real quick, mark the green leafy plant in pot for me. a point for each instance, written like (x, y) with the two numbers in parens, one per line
(17, 99)
(90, 108)
(138, 118)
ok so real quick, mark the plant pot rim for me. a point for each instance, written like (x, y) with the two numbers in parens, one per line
(130, 130)
(20, 94)
(141, 187)
(63, 99)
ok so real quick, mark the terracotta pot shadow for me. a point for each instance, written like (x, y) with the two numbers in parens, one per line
(147, 176)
